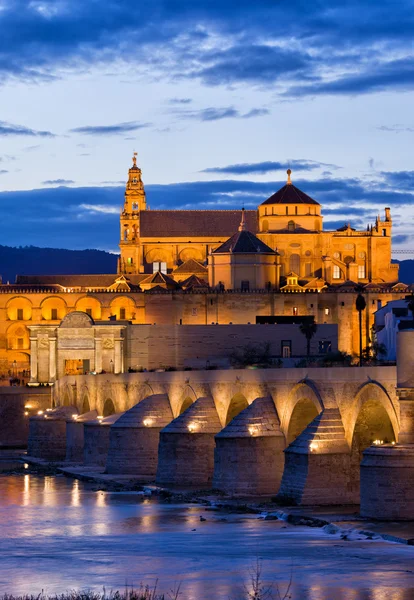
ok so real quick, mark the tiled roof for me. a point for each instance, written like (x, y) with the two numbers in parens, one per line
(193, 282)
(189, 223)
(244, 242)
(290, 194)
(190, 266)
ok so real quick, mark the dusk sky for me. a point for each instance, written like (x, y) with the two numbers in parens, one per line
(217, 97)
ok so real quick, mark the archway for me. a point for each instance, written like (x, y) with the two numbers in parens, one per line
(66, 398)
(109, 408)
(85, 405)
(53, 309)
(237, 404)
(375, 420)
(187, 402)
(303, 413)
(90, 306)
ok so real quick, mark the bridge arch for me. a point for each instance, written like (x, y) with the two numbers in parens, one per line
(304, 403)
(374, 416)
(86, 407)
(108, 408)
(237, 403)
(187, 398)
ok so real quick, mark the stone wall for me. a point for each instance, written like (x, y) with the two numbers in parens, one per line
(154, 346)
(16, 406)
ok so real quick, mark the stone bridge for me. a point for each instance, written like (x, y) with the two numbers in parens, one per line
(299, 431)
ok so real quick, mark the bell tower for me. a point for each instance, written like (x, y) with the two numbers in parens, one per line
(135, 202)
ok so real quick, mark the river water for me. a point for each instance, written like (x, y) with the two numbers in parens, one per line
(59, 534)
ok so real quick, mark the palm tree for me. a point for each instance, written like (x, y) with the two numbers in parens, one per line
(360, 305)
(410, 304)
(308, 328)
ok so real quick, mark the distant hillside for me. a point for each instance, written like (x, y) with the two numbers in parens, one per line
(30, 260)
(406, 270)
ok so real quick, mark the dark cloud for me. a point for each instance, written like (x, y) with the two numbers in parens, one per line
(397, 75)
(324, 47)
(57, 182)
(252, 63)
(403, 180)
(216, 114)
(269, 166)
(120, 128)
(3, 171)
(400, 239)
(8, 129)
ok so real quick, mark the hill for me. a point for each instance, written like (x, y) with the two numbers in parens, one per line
(30, 260)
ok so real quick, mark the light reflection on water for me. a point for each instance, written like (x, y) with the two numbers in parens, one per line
(58, 534)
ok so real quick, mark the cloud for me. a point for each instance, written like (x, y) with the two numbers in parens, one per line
(400, 239)
(396, 128)
(397, 75)
(324, 47)
(3, 171)
(217, 114)
(99, 208)
(120, 128)
(179, 100)
(269, 166)
(403, 180)
(8, 129)
(57, 182)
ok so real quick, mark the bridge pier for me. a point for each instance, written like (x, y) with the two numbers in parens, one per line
(387, 471)
(47, 434)
(318, 464)
(248, 459)
(96, 440)
(75, 436)
(186, 448)
(134, 438)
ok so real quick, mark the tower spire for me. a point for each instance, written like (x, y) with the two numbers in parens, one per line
(289, 181)
(242, 226)
(134, 159)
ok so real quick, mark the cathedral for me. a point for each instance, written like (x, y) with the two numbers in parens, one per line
(280, 242)
(272, 265)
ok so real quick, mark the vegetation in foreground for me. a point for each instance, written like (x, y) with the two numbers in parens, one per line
(254, 590)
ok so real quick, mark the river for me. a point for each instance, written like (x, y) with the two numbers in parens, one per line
(59, 534)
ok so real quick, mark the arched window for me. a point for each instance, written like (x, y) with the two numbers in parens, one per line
(336, 273)
(135, 206)
(294, 263)
(291, 225)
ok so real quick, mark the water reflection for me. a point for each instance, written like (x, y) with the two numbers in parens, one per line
(59, 534)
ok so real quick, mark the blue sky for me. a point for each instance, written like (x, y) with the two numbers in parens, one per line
(218, 98)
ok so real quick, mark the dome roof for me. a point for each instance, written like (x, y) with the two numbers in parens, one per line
(244, 242)
(290, 194)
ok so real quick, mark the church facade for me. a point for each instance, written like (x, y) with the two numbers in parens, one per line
(203, 267)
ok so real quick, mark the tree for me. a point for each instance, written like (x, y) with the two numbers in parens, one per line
(410, 304)
(308, 329)
(360, 305)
